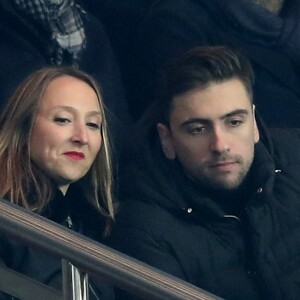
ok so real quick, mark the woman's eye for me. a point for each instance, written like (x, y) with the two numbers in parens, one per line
(93, 125)
(61, 120)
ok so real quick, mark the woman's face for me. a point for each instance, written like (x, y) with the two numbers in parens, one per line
(66, 135)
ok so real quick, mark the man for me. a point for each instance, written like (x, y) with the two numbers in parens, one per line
(209, 195)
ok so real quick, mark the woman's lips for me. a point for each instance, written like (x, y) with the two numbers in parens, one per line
(75, 155)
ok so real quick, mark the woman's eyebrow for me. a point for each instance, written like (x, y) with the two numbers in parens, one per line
(72, 109)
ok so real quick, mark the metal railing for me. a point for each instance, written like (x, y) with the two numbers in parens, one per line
(88, 256)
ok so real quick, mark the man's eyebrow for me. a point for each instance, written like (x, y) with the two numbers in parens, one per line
(208, 121)
(195, 120)
(234, 113)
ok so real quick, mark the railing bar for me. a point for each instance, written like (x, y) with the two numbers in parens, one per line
(88, 248)
(13, 283)
(143, 272)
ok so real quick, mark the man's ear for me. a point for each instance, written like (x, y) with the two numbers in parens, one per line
(256, 131)
(166, 141)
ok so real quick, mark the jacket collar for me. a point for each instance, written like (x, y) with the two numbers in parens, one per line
(165, 183)
(76, 206)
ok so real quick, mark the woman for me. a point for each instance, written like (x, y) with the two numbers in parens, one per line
(55, 160)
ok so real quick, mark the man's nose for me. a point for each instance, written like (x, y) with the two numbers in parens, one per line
(219, 141)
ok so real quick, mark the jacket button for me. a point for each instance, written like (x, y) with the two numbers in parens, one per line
(259, 190)
(251, 273)
(189, 210)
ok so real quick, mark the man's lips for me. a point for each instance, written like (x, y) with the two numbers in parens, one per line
(224, 165)
(75, 155)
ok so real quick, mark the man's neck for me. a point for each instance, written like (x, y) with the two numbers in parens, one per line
(233, 201)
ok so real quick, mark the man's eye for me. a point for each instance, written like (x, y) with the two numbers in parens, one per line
(234, 123)
(196, 130)
(61, 120)
(93, 125)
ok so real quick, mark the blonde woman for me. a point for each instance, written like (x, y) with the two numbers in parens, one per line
(55, 160)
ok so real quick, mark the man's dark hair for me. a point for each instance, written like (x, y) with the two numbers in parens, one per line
(197, 69)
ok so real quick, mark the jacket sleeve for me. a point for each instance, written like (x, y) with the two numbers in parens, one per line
(142, 231)
(140, 245)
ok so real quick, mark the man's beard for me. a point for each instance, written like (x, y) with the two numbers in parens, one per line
(222, 183)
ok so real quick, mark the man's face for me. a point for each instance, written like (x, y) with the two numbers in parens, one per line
(212, 133)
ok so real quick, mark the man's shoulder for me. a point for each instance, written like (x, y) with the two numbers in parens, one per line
(286, 144)
(142, 214)
(285, 133)
(285, 138)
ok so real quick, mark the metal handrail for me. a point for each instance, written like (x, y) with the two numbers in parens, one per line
(95, 258)
(23, 287)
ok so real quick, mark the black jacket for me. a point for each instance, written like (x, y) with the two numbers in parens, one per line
(23, 50)
(171, 223)
(74, 212)
(270, 42)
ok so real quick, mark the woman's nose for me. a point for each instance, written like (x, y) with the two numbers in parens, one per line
(80, 134)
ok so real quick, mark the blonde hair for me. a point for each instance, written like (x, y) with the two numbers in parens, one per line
(19, 178)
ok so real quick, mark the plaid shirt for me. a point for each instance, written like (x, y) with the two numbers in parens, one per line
(63, 19)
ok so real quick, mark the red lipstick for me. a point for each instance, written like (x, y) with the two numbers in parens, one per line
(75, 155)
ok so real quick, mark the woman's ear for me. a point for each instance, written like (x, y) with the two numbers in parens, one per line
(166, 141)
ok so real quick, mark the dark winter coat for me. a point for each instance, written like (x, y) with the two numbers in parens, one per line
(24, 49)
(74, 212)
(271, 42)
(169, 222)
